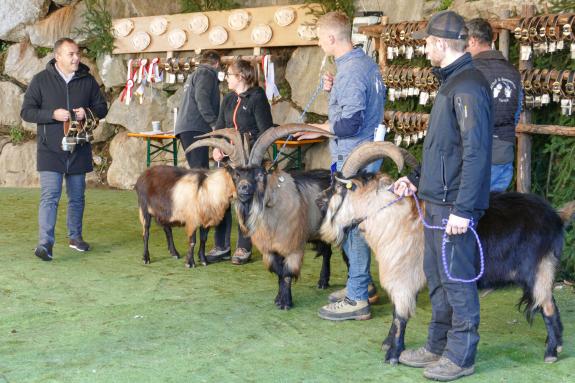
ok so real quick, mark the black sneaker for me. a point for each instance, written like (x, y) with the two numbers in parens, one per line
(44, 252)
(218, 254)
(79, 244)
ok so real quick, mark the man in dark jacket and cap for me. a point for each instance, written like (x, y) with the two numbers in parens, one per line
(64, 91)
(454, 183)
(505, 83)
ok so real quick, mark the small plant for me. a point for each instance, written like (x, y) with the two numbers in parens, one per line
(42, 51)
(207, 5)
(444, 5)
(17, 134)
(346, 6)
(98, 28)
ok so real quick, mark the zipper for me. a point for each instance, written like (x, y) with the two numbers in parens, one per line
(236, 113)
(443, 178)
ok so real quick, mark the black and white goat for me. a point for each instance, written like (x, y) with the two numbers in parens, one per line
(521, 234)
(276, 209)
(176, 196)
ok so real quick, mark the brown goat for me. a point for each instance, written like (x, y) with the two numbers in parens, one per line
(178, 197)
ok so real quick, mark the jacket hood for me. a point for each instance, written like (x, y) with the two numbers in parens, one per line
(490, 55)
(251, 92)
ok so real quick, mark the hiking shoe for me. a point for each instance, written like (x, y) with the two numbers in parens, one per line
(418, 357)
(346, 309)
(241, 256)
(79, 244)
(340, 295)
(44, 252)
(218, 254)
(445, 370)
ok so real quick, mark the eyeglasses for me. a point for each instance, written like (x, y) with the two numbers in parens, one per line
(231, 74)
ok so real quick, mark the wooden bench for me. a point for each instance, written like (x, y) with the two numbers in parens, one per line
(155, 145)
(297, 155)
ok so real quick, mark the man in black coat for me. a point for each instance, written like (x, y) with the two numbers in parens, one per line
(199, 107)
(61, 93)
(454, 183)
(505, 82)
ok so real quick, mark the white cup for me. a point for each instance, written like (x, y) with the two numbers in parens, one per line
(156, 126)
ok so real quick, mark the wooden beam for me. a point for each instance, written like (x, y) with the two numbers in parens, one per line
(281, 36)
(556, 130)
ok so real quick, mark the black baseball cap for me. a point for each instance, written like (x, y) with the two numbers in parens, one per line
(445, 24)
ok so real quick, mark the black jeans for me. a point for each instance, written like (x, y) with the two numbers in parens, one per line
(223, 233)
(453, 330)
(199, 157)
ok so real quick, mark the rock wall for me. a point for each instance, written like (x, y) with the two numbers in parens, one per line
(29, 25)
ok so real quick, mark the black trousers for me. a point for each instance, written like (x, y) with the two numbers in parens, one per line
(453, 330)
(197, 158)
(223, 234)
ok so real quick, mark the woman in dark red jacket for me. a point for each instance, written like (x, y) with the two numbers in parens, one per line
(247, 110)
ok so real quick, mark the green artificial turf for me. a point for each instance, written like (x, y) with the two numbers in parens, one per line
(103, 316)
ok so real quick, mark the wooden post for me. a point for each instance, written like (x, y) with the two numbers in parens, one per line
(382, 47)
(257, 52)
(524, 141)
(504, 36)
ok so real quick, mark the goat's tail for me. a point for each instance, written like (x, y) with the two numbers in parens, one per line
(567, 213)
(527, 305)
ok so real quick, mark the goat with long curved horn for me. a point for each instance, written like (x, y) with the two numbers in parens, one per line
(271, 135)
(230, 144)
(369, 152)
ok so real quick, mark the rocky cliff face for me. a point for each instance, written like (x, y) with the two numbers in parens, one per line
(29, 26)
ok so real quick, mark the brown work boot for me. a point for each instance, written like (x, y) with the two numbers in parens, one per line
(339, 295)
(445, 370)
(346, 309)
(418, 357)
(241, 256)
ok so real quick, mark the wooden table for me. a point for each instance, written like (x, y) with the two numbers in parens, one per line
(155, 145)
(293, 144)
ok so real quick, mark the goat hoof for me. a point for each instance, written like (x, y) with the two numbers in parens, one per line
(191, 266)
(204, 263)
(175, 256)
(322, 285)
(146, 261)
(393, 361)
(284, 307)
(560, 348)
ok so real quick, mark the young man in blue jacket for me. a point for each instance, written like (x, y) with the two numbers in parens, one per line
(454, 182)
(61, 92)
(357, 97)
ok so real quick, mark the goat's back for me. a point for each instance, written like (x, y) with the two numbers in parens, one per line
(517, 232)
(310, 184)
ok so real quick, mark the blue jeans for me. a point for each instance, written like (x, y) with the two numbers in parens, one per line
(359, 256)
(501, 176)
(51, 190)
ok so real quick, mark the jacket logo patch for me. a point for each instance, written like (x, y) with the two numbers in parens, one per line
(502, 89)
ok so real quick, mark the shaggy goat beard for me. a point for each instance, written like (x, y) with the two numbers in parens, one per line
(332, 230)
(250, 212)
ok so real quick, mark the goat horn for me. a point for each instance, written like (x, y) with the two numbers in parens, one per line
(409, 158)
(231, 134)
(231, 150)
(271, 135)
(369, 152)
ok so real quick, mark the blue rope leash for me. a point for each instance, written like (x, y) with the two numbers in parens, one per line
(301, 118)
(445, 240)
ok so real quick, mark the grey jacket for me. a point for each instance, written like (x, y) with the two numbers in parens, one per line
(355, 104)
(200, 103)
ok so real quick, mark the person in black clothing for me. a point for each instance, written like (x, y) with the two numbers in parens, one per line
(505, 82)
(58, 94)
(199, 108)
(454, 182)
(247, 110)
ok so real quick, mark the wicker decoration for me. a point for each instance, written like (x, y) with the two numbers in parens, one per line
(158, 26)
(284, 16)
(307, 32)
(261, 34)
(239, 20)
(141, 40)
(122, 28)
(199, 24)
(218, 35)
(177, 38)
